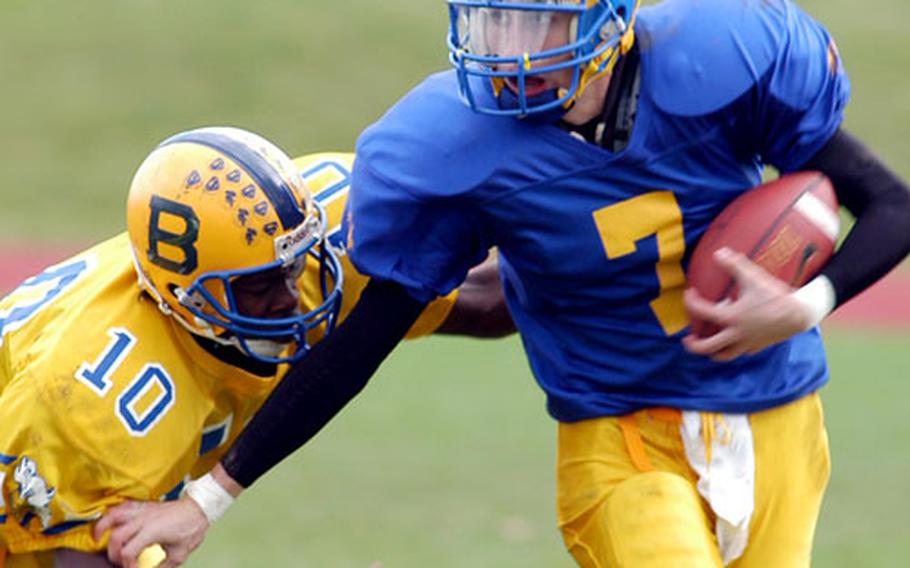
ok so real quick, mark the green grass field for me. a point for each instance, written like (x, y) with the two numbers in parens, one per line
(447, 459)
(451, 465)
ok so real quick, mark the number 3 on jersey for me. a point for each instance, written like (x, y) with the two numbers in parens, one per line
(133, 407)
(622, 224)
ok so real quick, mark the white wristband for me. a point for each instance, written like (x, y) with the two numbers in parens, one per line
(211, 497)
(818, 297)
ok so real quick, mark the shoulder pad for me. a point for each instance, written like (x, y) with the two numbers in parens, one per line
(701, 55)
(450, 149)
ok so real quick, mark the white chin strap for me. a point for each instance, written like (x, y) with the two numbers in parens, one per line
(262, 347)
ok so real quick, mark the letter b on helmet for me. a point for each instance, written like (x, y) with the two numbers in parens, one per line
(183, 241)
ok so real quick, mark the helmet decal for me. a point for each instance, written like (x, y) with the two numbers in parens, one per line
(263, 173)
(183, 241)
(193, 179)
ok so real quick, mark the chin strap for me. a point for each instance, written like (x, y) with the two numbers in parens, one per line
(261, 347)
(498, 85)
(602, 64)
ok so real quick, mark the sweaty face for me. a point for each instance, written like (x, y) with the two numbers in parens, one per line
(270, 294)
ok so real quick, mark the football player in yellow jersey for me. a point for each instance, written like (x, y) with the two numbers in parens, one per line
(112, 391)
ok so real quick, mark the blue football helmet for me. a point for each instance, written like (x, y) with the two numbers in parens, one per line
(503, 40)
(211, 206)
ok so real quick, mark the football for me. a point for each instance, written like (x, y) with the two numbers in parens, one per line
(788, 226)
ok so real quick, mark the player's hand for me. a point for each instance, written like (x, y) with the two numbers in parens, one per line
(178, 526)
(764, 313)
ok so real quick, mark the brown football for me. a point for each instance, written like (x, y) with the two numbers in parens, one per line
(788, 226)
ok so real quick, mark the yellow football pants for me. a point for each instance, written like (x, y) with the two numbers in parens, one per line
(627, 496)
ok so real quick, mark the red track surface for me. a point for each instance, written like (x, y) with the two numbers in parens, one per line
(885, 305)
(19, 261)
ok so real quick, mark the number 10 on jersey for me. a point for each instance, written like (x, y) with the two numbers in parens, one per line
(98, 376)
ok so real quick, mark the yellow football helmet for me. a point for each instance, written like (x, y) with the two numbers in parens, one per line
(210, 205)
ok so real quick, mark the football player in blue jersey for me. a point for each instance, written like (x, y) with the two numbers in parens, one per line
(592, 142)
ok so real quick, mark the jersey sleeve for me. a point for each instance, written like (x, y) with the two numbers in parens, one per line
(801, 98)
(425, 243)
(328, 177)
(433, 316)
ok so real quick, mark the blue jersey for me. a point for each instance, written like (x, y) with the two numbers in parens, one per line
(594, 244)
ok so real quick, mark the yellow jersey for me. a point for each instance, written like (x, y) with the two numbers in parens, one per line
(103, 398)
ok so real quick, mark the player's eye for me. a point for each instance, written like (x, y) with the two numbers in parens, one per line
(540, 18)
(499, 17)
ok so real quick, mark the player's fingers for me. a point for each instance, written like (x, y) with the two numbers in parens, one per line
(754, 349)
(697, 305)
(170, 561)
(156, 556)
(736, 264)
(120, 535)
(723, 340)
(703, 309)
(134, 546)
(152, 557)
(732, 352)
(175, 557)
(725, 349)
(115, 516)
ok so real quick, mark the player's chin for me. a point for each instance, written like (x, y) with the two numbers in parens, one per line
(270, 346)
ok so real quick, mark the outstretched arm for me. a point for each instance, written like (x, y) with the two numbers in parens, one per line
(324, 381)
(768, 310)
(313, 391)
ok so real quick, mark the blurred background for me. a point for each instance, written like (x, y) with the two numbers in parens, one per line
(447, 458)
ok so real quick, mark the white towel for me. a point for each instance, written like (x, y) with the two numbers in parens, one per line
(726, 478)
